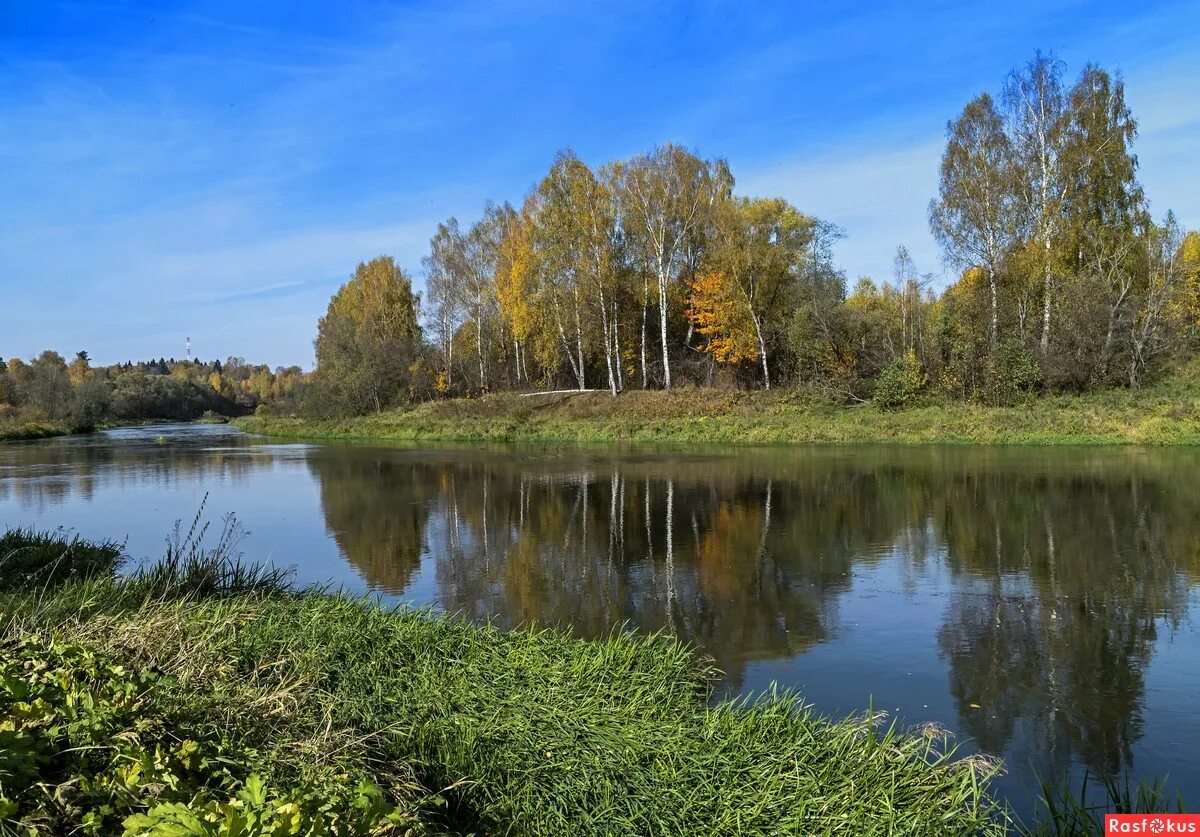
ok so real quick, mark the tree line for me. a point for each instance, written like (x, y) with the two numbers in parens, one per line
(82, 396)
(652, 272)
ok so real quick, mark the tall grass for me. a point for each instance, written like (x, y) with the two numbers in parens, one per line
(30, 559)
(1166, 415)
(542, 734)
(528, 732)
(191, 566)
(1066, 811)
(466, 729)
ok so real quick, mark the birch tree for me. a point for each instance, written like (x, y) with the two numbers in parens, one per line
(1165, 281)
(1037, 116)
(444, 292)
(761, 249)
(668, 195)
(975, 216)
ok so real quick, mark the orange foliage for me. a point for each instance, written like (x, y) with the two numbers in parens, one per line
(719, 312)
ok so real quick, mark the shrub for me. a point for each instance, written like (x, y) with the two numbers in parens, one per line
(1012, 369)
(89, 746)
(900, 382)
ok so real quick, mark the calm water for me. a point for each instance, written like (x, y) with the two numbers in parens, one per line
(1040, 603)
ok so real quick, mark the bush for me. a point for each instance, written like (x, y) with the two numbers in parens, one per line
(900, 382)
(1013, 369)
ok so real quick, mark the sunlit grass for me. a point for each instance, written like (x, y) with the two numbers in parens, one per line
(1166, 414)
(12, 430)
(526, 732)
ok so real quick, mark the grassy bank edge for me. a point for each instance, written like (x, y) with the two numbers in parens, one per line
(763, 418)
(28, 431)
(534, 732)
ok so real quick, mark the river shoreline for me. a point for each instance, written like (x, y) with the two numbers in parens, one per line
(699, 416)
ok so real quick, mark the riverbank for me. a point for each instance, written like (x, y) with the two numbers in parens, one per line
(24, 431)
(237, 696)
(20, 431)
(1164, 415)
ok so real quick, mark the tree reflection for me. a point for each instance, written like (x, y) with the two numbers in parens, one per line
(377, 508)
(1061, 569)
(1064, 583)
(1054, 571)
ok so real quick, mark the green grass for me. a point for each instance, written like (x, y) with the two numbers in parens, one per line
(12, 430)
(1067, 810)
(29, 559)
(1167, 414)
(415, 723)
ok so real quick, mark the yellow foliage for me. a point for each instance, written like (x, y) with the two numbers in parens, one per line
(516, 276)
(1188, 304)
(442, 385)
(717, 310)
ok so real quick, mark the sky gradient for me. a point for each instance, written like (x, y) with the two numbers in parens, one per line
(216, 169)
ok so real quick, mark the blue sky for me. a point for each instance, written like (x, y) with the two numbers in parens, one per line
(216, 169)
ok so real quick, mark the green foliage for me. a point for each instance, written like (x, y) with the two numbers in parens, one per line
(900, 382)
(1012, 369)
(89, 746)
(30, 560)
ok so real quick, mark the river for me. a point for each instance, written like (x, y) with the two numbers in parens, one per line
(1039, 603)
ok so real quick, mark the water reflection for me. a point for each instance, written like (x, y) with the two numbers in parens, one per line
(1055, 572)
(1052, 579)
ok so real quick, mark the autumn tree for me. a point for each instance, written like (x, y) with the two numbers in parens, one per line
(567, 251)
(369, 337)
(1165, 282)
(718, 312)
(975, 216)
(444, 288)
(480, 257)
(47, 388)
(79, 368)
(517, 284)
(1106, 223)
(1037, 112)
(667, 196)
(757, 260)
(1187, 308)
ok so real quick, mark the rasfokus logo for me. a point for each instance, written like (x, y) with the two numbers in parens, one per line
(1152, 823)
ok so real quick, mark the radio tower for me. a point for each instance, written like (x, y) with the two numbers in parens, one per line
(189, 348)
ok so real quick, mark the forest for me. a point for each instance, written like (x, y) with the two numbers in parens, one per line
(653, 272)
(48, 395)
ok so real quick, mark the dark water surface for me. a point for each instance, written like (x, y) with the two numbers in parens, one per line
(1040, 603)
